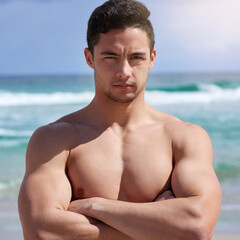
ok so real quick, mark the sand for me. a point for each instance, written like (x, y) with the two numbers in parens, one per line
(226, 237)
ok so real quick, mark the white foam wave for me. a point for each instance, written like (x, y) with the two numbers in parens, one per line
(208, 93)
(10, 184)
(14, 133)
(8, 99)
(206, 87)
(10, 143)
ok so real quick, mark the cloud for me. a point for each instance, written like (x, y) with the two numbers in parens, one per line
(50, 35)
(203, 25)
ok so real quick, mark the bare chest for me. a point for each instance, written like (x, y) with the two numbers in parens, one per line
(135, 169)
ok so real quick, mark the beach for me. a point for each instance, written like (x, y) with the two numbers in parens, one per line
(226, 237)
(209, 100)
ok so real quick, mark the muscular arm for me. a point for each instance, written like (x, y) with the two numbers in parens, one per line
(191, 215)
(46, 193)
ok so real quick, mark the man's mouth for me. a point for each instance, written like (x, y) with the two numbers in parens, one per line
(123, 86)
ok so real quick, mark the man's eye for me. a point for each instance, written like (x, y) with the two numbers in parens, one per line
(137, 58)
(110, 57)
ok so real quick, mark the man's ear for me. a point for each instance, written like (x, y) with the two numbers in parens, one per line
(89, 58)
(152, 58)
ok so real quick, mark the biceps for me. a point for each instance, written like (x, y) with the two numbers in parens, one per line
(43, 190)
(192, 180)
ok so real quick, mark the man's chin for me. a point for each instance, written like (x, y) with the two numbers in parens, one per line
(121, 99)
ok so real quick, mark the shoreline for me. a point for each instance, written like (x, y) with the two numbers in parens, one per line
(224, 236)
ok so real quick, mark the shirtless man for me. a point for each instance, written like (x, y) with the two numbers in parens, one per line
(119, 169)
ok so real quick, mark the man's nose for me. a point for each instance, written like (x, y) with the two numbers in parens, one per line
(124, 70)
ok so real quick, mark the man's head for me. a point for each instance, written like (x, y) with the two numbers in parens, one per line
(119, 14)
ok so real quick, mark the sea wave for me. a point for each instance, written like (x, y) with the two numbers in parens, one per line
(8, 99)
(11, 184)
(201, 93)
(11, 143)
(195, 86)
(14, 133)
(206, 93)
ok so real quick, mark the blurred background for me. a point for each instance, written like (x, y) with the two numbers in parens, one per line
(43, 75)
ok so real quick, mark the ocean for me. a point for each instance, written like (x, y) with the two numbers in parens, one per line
(209, 100)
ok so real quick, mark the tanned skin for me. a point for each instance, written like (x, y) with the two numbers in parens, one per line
(119, 169)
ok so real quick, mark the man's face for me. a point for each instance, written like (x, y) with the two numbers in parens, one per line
(121, 63)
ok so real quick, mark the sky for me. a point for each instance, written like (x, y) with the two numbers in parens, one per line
(49, 36)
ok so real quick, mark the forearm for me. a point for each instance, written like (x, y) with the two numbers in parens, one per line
(65, 225)
(109, 233)
(105, 232)
(57, 224)
(171, 219)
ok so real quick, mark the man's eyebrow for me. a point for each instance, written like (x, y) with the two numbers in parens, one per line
(109, 53)
(139, 54)
(115, 54)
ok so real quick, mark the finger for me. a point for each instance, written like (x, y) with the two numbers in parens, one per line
(72, 208)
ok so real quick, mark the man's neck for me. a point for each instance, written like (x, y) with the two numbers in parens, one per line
(106, 112)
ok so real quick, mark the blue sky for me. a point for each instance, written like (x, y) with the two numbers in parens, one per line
(49, 36)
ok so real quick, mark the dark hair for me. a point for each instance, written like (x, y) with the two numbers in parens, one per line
(119, 14)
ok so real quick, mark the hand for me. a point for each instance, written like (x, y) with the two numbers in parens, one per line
(82, 207)
(165, 196)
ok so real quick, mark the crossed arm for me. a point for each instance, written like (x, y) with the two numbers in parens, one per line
(45, 194)
(185, 217)
(46, 211)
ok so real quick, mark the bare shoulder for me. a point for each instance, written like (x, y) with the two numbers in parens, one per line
(60, 132)
(50, 144)
(187, 139)
(178, 130)
(55, 133)
(182, 132)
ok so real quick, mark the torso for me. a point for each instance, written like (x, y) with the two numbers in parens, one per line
(135, 166)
